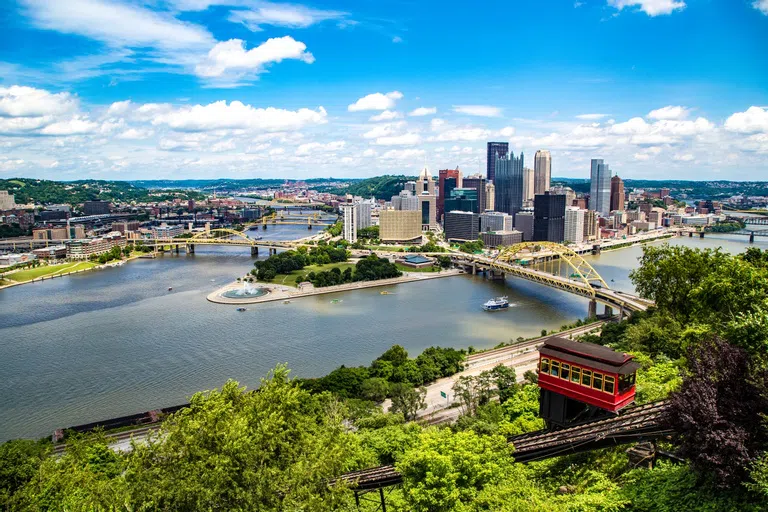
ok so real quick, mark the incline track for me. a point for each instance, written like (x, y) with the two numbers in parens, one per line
(635, 424)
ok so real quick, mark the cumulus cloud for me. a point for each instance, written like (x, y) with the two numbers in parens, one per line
(231, 56)
(404, 154)
(754, 120)
(669, 112)
(406, 139)
(383, 130)
(478, 110)
(236, 115)
(683, 157)
(387, 115)
(376, 101)
(317, 147)
(465, 134)
(650, 7)
(591, 117)
(761, 5)
(17, 101)
(423, 111)
(507, 131)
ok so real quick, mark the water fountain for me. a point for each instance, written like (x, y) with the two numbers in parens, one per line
(247, 291)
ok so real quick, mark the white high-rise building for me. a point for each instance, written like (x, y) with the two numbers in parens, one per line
(405, 201)
(542, 171)
(364, 210)
(349, 210)
(600, 188)
(7, 201)
(574, 225)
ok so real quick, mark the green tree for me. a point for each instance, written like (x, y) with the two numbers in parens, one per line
(375, 389)
(20, 460)
(407, 400)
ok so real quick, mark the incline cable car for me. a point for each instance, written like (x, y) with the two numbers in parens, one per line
(583, 381)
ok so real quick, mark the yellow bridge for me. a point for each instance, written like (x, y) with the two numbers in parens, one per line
(219, 236)
(582, 278)
(309, 220)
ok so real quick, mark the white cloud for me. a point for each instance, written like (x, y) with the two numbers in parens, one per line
(423, 111)
(669, 112)
(376, 101)
(18, 101)
(406, 139)
(591, 117)
(236, 115)
(641, 156)
(387, 115)
(384, 130)
(478, 110)
(281, 15)
(507, 131)
(370, 152)
(74, 126)
(276, 151)
(466, 134)
(20, 125)
(397, 39)
(684, 157)
(317, 147)
(437, 124)
(232, 56)
(761, 5)
(116, 24)
(135, 134)
(225, 145)
(754, 120)
(404, 154)
(650, 7)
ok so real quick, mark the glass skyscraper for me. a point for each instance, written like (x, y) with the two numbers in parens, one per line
(495, 150)
(600, 188)
(509, 184)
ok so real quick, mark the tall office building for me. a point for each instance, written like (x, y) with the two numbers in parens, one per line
(425, 191)
(600, 188)
(549, 218)
(444, 188)
(463, 200)
(478, 182)
(524, 224)
(529, 186)
(568, 192)
(617, 193)
(399, 225)
(349, 210)
(496, 221)
(7, 201)
(591, 225)
(96, 207)
(410, 186)
(405, 200)
(495, 150)
(490, 196)
(461, 226)
(574, 225)
(542, 171)
(509, 183)
(364, 210)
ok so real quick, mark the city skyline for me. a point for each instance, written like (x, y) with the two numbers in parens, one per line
(114, 89)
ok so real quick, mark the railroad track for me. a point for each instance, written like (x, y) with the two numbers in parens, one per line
(117, 437)
(636, 424)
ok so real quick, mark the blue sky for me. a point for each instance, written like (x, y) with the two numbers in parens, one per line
(121, 89)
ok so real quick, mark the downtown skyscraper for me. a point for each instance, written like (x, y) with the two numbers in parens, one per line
(495, 150)
(509, 184)
(600, 187)
(542, 171)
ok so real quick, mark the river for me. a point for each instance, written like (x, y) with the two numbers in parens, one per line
(116, 341)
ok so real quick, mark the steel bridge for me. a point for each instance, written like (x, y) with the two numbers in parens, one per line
(219, 236)
(583, 279)
(636, 424)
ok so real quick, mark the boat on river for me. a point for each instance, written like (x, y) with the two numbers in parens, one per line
(496, 304)
(242, 309)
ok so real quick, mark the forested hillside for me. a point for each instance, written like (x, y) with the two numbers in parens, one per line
(380, 187)
(28, 190)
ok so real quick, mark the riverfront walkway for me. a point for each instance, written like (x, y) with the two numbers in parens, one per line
(283, 292)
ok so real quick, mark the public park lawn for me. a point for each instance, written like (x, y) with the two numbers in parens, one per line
(406, 268)
(290, 279)
(47, 270)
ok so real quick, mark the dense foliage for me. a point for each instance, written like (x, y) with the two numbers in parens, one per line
(376, 382)
(472, 247)
(13, 230)
(380, 187)
(28, 190)
(288, 261)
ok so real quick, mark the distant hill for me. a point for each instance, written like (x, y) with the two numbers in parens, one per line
(380, 187)
(28, 190)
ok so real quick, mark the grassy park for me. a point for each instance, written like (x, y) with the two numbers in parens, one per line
(29, 274)
(290, 279)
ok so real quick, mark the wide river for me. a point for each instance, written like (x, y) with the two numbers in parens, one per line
(114, 342)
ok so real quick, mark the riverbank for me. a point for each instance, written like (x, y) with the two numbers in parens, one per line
(278, 292)
(77, 266)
